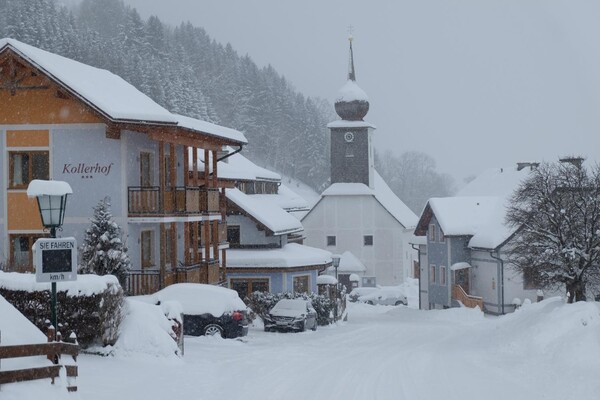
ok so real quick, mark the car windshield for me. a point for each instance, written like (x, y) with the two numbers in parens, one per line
(290, 305)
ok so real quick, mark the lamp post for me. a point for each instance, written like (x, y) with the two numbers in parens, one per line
(335, 261)
(52, 201)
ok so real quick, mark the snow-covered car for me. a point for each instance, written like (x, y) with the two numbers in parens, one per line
(358, 292)
(291, 314)
(383, 295)
(207, 309)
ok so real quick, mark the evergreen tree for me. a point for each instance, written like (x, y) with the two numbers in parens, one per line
(103, 252)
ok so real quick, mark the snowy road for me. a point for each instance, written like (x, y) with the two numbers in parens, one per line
(380, 353)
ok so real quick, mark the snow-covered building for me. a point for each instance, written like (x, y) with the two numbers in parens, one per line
(265, 240)
(64, 120)
(463, 247)
(358, 212)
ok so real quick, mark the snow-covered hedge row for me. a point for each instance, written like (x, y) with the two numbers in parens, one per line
(91, 306)
(261, 303)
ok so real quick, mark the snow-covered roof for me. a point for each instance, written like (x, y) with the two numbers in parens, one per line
(289, 256)
(210, 128)
(286, 199)
(479, 209)
(110, 94)
(237, 167)
(351, 92)
(382, 193)
(325, 279)
(39, 187)
(265, 211)
(349, 263)
(342, 123)
(105, 91)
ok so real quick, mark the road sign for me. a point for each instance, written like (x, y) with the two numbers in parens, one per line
(55, 259)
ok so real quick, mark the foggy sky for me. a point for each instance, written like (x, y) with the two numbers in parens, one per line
(475, 84)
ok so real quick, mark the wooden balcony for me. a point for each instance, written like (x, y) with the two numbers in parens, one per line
(459, 294)
(146, 201)
(142, 282)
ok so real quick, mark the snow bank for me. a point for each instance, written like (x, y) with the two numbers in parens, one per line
(16, 329)
(85, 285)
(145, 329)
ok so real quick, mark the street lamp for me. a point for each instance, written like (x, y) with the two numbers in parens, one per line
(335, 261)
(52, 202)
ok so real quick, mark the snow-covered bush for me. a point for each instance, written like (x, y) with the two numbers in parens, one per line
(261, 303)
(103, 252)
(91, 306)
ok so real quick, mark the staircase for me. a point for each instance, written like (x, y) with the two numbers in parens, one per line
(459, 294)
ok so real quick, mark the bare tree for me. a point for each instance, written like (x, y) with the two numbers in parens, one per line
(557, 213)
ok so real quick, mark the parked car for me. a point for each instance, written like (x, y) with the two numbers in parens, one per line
(291, 314)
(357, 293)
(207, 309)
(382, 295)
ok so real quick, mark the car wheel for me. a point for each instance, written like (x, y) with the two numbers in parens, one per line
(370, 302)
(212, 330)
(267, 329)
(400, 302)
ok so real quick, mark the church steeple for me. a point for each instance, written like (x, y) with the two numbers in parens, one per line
(351, 72)
(351, 137)
(352, 103)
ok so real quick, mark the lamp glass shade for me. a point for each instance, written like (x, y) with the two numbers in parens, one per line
(52, 209)
(335, 260)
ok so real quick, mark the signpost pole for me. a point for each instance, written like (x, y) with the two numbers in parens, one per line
(53, 300)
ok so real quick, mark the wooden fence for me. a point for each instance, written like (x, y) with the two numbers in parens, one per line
(52, 350)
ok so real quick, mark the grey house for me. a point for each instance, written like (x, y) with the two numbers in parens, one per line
(463, 244)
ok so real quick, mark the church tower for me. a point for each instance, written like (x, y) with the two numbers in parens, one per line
(351, 137)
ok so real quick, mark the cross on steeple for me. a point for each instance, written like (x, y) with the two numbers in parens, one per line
(351, 71)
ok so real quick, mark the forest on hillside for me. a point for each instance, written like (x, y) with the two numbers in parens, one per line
(183, 69)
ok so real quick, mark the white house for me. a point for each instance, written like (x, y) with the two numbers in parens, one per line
(359, 212)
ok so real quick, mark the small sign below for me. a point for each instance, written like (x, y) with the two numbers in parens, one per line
(55, 259)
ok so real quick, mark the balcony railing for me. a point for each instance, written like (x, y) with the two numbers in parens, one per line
(141, 282)
(148, 200)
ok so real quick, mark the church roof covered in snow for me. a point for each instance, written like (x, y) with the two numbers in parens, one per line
(289, 256)
(265, 211)
(109, 94)
(382, 193)
(479, 209)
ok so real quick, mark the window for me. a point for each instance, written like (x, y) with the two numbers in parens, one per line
(442, 237)
(167, 166)
(368, 240)
(147, 247)
(21, 256)
(442, 275)
(301, 284)
(233, 235)
(169, 245)
(246, 287)
(432, 274)
(27, 166)
(330, 240)
(145, 169)
(349, 150)
(529, 279)
(432, 233)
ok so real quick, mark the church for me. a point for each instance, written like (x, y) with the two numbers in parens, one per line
(358, 213)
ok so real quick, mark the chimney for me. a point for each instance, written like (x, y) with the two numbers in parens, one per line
(531, 165)
(576, 161)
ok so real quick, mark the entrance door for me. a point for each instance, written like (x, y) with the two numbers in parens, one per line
(461, 278)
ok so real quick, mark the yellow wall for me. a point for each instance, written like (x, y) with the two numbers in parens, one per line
(23, 212)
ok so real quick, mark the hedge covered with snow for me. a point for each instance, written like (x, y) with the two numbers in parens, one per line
(261, 303)
(91, 306)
